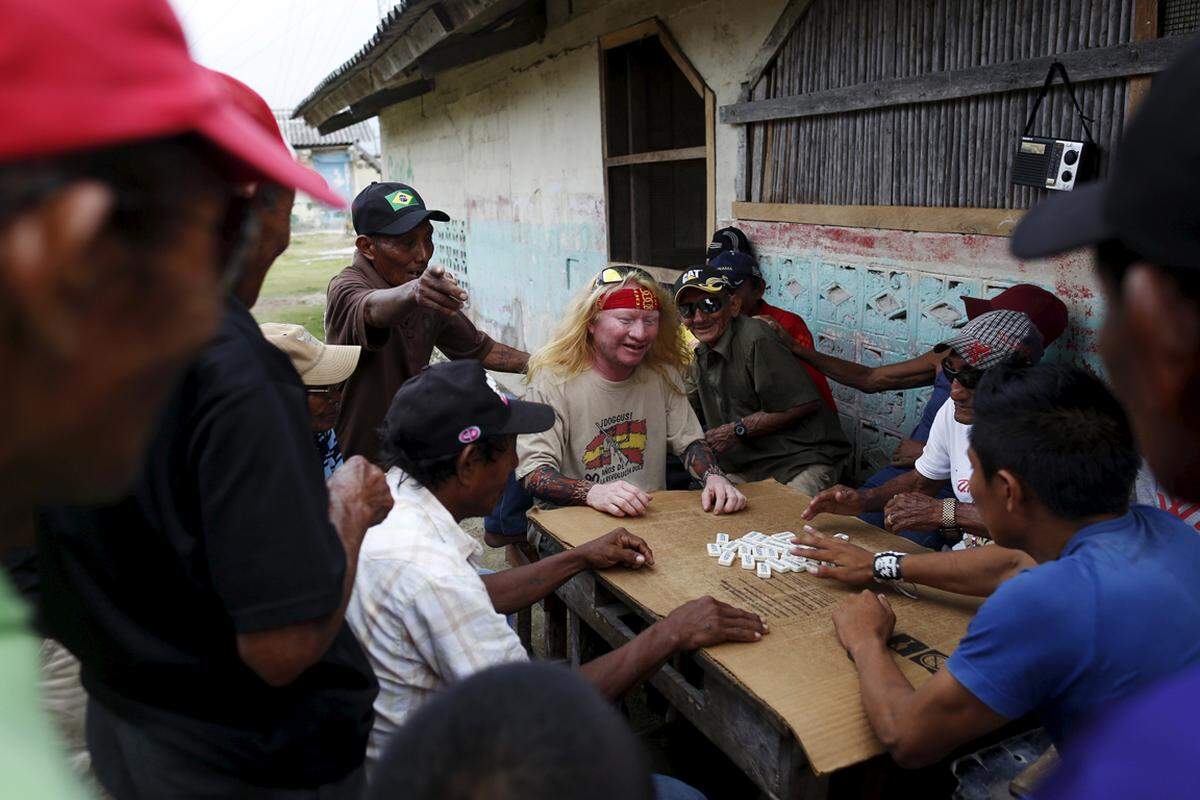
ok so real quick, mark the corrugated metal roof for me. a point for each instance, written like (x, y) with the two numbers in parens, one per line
(386, 26)
(300, 134)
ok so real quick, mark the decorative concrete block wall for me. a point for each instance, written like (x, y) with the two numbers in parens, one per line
(877, 297)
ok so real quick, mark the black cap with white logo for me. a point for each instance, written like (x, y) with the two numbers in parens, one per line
(447, 406)
(390, 209)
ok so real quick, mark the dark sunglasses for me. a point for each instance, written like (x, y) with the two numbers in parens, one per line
(967, 377)
(619, 274)
(707, 305)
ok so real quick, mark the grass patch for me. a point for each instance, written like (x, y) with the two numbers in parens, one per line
(295, 287)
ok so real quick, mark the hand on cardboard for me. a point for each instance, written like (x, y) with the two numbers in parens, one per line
(912, 511)
(440, 292)
(618, 498)
(838, 499)
(720, 496)
(705, 622)
(618, 546)
(863, 619)
(853, 565)
(721, 438)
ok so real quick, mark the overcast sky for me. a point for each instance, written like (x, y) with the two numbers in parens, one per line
(280, 48)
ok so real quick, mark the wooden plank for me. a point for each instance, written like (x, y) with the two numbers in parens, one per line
(658, 156)
(641, 30)
(459, 51)
(373, 104)
(710, 161)
(1139, 58)
(682, 61)
(426, 32)
(1145, 28)
(983, 221)
(788, 18)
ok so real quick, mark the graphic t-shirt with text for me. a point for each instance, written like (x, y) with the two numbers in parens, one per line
(608, 431)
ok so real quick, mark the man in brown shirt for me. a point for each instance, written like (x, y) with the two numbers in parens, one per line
(397, 308)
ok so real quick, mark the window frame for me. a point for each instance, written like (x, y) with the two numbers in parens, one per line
(648, 28)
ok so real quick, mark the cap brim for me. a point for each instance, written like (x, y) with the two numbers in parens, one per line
(527, 417)
(976, 306)
(705, 289)
(410, 221)
(235, 132)
(1065, 222)
(336, 364)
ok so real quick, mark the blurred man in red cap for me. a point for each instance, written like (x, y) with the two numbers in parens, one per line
(117, 222)
(241, 679)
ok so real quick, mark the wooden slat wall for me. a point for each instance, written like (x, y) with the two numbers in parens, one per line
(955, 153)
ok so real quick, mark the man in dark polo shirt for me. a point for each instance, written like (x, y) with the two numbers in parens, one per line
(207, 607)
(765, 418)
(397, 308)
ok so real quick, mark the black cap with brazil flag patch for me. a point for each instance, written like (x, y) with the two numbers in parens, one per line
(390, 209)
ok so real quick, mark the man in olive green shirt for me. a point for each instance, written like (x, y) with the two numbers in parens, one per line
(764, 418)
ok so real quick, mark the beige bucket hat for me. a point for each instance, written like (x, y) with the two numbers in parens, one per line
(318, 364)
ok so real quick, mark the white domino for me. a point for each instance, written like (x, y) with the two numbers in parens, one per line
(747, 562)
(714, 550)
(777, 565)
(783, 536)
(726, 559)
(722, 538)
(763, 570)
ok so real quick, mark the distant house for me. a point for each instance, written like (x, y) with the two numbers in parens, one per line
(348, 159)
(864, 145)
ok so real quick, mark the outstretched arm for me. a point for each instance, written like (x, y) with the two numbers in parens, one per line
(503, 358)
(919, 371)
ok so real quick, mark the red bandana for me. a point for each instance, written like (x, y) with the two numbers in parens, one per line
(631, 297)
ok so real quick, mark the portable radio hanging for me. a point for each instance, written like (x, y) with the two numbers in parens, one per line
(1048, 162)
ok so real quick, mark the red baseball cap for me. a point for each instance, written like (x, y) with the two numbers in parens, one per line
(1048, 312)
(87, 74)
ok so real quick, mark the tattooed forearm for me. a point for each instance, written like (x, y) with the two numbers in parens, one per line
(700, 461)
(547, 483)
(503, 358)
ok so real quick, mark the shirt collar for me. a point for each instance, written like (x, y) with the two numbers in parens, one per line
(409, 492)
(723, 344)
(367, 267)
(1088, 531)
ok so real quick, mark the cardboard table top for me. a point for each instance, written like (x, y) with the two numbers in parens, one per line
(799, 669)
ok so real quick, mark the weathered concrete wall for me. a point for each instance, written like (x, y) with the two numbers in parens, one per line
(511, 149)
(877, 297)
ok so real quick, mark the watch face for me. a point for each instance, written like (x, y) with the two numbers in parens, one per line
(739, 430)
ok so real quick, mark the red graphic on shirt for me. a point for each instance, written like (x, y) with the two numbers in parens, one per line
(629, 438)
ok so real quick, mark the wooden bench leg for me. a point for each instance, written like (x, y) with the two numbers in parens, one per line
(516, 557)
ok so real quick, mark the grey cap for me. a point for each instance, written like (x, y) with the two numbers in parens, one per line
(996, 337)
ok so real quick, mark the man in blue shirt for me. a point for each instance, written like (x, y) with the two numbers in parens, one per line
(1054, 462)
(1143, 226)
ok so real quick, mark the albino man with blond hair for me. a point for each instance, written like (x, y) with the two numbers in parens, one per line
(613, 375)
